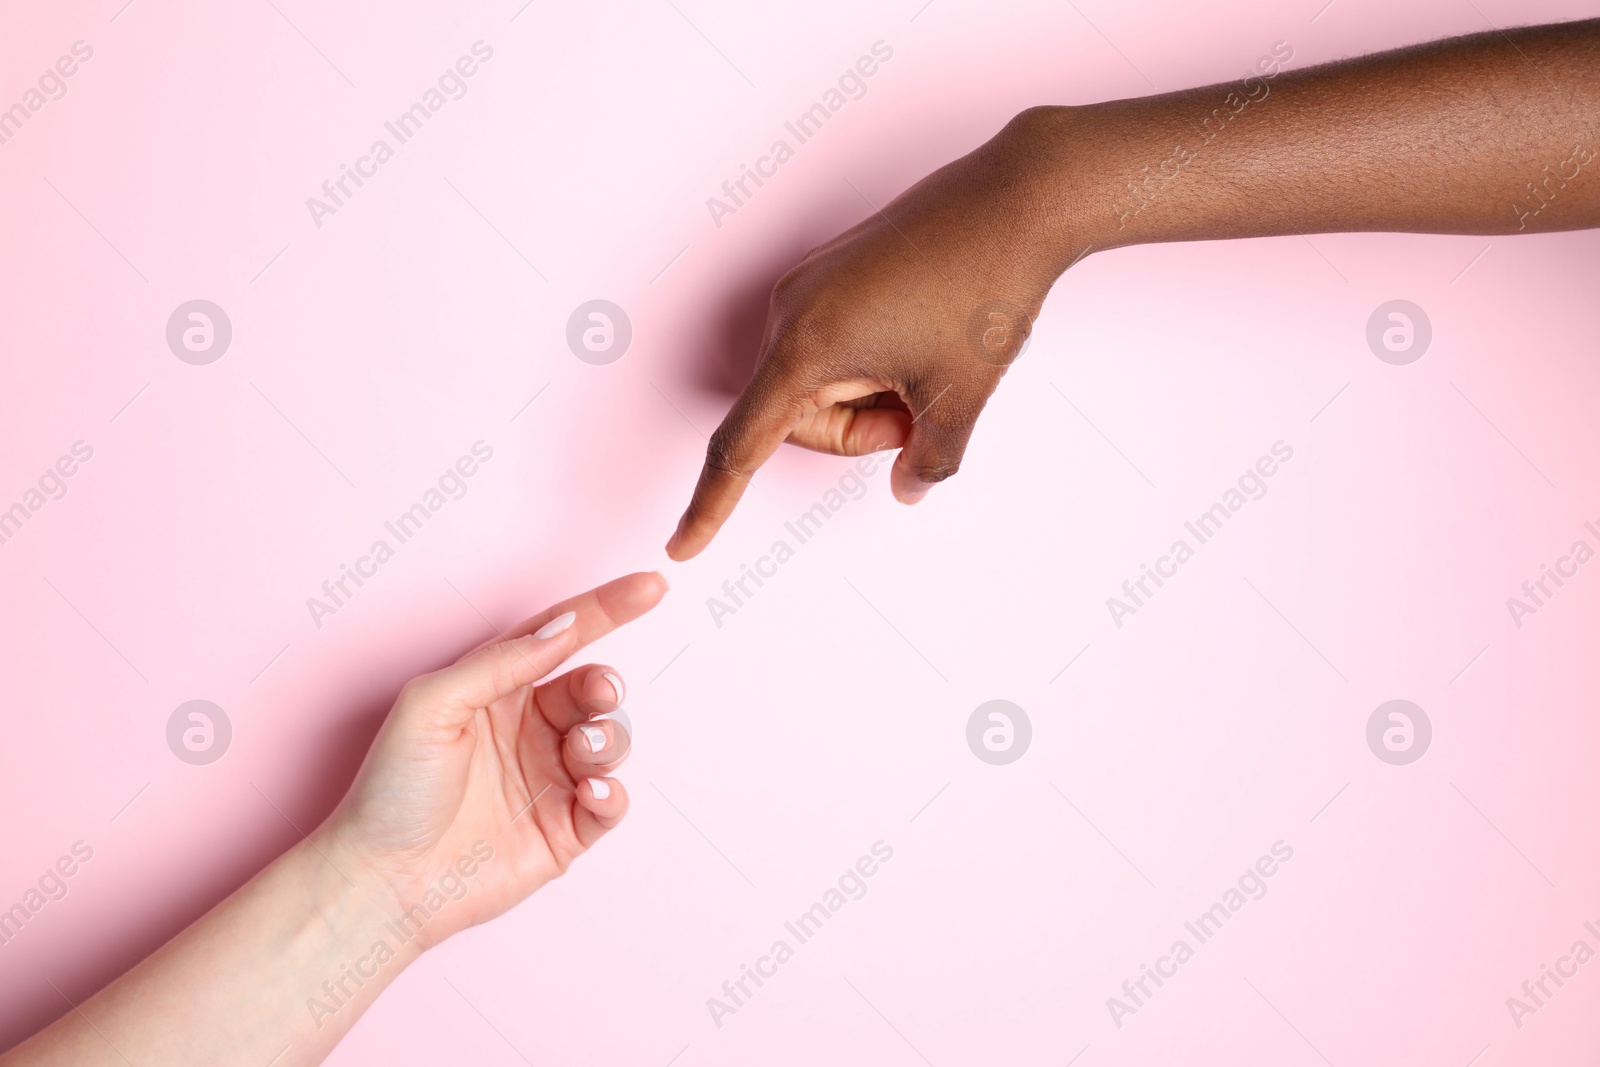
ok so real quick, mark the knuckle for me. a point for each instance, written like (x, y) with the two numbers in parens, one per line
(504, 675)
(810, 317)
(783, 291)
(951, 410)
(935, 471)
(414, 691)
(722, 453)
(787, 288)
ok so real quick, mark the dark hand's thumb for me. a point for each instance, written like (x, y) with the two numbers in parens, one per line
(939, 434)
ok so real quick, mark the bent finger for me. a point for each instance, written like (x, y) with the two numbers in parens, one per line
(596, 747)
(940, 430)
(579, 695)
(598, 804)
(845, 430)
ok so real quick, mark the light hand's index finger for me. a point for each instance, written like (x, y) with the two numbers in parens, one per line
(528, 651)
(602, 609)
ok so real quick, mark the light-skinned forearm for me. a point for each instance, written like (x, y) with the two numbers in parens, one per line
(236, 986)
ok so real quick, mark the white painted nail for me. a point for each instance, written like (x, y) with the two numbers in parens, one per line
(595, 736)
(600, 788)
(556, 625)
(616, 685)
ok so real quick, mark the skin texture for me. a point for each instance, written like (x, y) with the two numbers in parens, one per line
(486, 757)
(895, 333)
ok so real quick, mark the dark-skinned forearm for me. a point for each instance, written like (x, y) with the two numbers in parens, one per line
(1495, 133)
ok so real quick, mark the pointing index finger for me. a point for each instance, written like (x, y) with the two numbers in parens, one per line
(763, 416)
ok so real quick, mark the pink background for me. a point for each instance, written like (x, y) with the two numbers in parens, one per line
(819, 718)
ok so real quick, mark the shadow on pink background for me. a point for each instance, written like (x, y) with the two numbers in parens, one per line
(776, 745)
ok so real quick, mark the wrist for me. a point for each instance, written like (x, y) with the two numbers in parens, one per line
(1050, 153)
(1093, 174)
(334, 854)
(420, 897)
(350, 940)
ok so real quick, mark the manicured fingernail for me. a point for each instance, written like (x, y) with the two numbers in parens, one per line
(911, 496)
(600, 788)
(595, 736)
(616, 685)
(666, 585)
(556, 625)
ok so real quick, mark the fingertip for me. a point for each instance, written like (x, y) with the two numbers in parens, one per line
(679, 544)
(619, 689)
(597, 743)
(653, 589)
(907, 487)
(631, 596)
(887, 427)
(589, 741)
(685, 544)
(603, 798)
